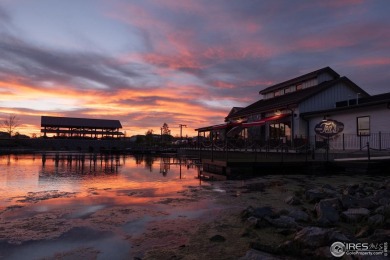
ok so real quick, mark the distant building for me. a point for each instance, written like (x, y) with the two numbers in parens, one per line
(295, 111)
(69, 127)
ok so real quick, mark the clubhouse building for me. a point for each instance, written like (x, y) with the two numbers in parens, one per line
(320, 105)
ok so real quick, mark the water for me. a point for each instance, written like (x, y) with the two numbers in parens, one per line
(59, 204)
(80, 173)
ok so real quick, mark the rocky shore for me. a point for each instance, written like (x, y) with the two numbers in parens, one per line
(269, 217)
(321, 216)
(290, 217)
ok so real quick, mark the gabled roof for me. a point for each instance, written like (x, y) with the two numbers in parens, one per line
(52, 121)
(362, 102)
(299, 79)
(234, 110)
(293, 98)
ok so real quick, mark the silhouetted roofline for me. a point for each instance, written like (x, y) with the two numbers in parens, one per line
(293, 98)
(299, 79)
(51, 121)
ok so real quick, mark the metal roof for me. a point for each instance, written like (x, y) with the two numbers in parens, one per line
(52, 121)
(299, 79)
(293, 98)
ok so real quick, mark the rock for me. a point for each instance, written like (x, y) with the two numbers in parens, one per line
(286, 231)
(384, 201)
(327, 211)
(383, 210)
(315, 195)
(351, 189)
(355, 214)
(299, 215)
(253, 254)
(312, 237)
(376, 220)
(367, 203)
(257, 212)
(364, 232)
(263, 212)
(217, 238)
(293, 200)
(348, 201)
(379, 236)
(383, 193)
(328, 186)
(315, 237)
(251, 222)
(282, 222)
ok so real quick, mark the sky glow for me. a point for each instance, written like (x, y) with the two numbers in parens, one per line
(146, 62)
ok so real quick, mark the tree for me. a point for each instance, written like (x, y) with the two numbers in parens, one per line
(165, 129)
(10, 124)
(149, 136)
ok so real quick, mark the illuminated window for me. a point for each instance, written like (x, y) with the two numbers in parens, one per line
(363, 125)
(299, 86)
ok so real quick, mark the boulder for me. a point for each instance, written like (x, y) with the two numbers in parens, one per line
(299, 215)
(315, 237)
(348, 201)
(383, 210)
(312, 237)
(376, 220)
(355, 214)
(379, 236)
(263, 212)
(251, 222)
(293, 200)
(253, 254)
(315, 195)
(327, 212)
(282, 222)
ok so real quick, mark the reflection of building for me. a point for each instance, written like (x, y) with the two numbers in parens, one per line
(290, 111)
(80, 127)
(68, 164)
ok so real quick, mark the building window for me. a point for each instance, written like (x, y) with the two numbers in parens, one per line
(278, 130)
(363, 125)
(299, 87)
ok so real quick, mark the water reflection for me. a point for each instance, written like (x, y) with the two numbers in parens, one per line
(95, 164)
(81, 164)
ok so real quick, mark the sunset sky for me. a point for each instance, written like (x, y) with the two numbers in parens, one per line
(146, 62)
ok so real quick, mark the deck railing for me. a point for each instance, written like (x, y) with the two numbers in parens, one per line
(343, 142)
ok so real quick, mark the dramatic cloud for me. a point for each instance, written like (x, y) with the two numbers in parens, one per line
(146, 62)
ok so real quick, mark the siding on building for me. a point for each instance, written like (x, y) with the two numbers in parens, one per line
(327, 99)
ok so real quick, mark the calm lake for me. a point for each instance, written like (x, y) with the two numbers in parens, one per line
(79, 173)
(57, 205)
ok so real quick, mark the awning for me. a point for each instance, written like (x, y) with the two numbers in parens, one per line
(223, 126)
(264, 120)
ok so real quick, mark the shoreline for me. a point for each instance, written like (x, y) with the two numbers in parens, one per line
(165, 228)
